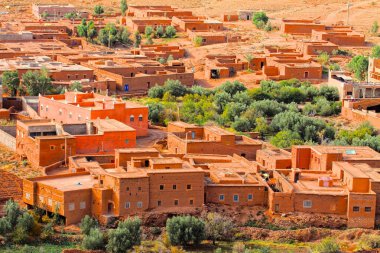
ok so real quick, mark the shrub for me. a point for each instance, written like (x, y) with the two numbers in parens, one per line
(94, 240)
(160, 31)
(359, 66)
(327, 245)
(198, 41)
(170, 31)
(185, 230)
(98, 10)
(260, 19)
(238, 247)
(149, 31)
(125, 236)
(369, 242)
(218, 227)
(88, 223)
(330, 93)
(47, 231)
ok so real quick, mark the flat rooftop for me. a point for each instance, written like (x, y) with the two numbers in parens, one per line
(349, 152)
(276, 153)
(308, 183)
(68, 182)
(111, 125)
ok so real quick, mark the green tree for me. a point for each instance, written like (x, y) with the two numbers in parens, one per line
(156, 113)
(262, 126)
(82, 28)
(375, 28)
(91, 31)
(94, 240)
(149, 40)
(37, 82)
(218, 227)
(231, 87)
(123, 7)
(323, 58)
(330, 93)
(71, 15)
(123, 36)
(149, 31)
(170, 58)
(198, 41)
(376, 52)
(11, 81)
(98, 10)
(359, 66)
(108, 36)
(260, 19)
(125, 236)
(88, 223)
(170, 32)
(185, 230)
(76, 86)
(285, 139)
(160, 31)
(175, 88)
(249, 58)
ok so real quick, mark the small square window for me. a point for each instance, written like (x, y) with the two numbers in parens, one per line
(307, 204)
(127, 189)
(250, 196)
(82, 205)
(139, 188)
(41, 199)
(159, 203)
(161, 187)
(191, 202)
(188, 187)
(174, 187)
(71, 206)
(63, 146)
(139, 204)
(236, 198)
(367, 209)
(221, 197)
(356, 209)
(52, 147)
(176, 202)
(127, 205)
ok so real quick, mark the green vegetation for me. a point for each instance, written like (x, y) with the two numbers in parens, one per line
(376, 52)
(368, 242)
(123, 7)
(374, 28)
(137, 41)
(37, 82)
(76, 86)
(218, 228)
(260, 19)
(11, 82)
(327, 245)
(359, 66)
(198, 41)
(125, 236)
(110, 35)
(185, 230)
(98, 10)
(87, 30)
(87, 224)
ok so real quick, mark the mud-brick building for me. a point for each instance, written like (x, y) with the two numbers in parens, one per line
(78, 107)
(45, 143)
(195, 23)
(300, 26)
(104, 189)
(340, 35)
(273, 159)
(343, 192)
(157, 11)
(184, 138)
(52, 10)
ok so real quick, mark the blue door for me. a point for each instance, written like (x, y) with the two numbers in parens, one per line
(126, 87)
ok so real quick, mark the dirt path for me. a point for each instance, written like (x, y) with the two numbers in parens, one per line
(150, 140)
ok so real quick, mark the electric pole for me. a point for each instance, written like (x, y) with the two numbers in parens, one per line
(348, 12)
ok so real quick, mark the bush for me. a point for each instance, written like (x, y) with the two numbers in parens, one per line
(260, 19)
(88, 223)
(241, 125)
(170, 31)
(218, 227)
(160, 31)
(156, 92)
(125, 236)
(175, 88)
(330, 93)
(327, 245)
(98, 10)
(198, 41)
(285, 139)
(185, 230)
(359, 66)
(47, 231)
(369, 242)
(149, 31)
(94, 240)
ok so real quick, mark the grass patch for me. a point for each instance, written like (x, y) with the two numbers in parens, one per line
(38, 248)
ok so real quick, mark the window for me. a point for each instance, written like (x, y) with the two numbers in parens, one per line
(132, 118)
(367, 209)
(127, 205)
(161, 187)
(50, 202)
(188, 187)
(68, 76)
(191, 202)
(221, 197)
(127, 189)
(76, 76)
(63, 146)
(140, 117)
(71, 206)
(176, 202)
(307, 204)
(139, 204)
(356, 209)
(84, 76)
(52, 147)
(139, 188)
(47, 108)
(27, 195)
(82, 205)
(236, 198)
(42, 108)
(250, 196)
(159, 203)
(174, 187)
